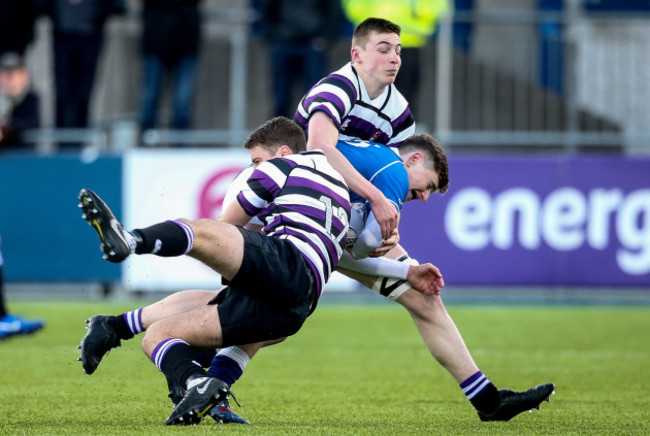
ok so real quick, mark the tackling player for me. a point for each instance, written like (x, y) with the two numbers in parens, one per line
(106, 332)
(360, 101)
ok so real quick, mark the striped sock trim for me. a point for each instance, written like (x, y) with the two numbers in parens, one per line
(134, 321)
(161, 350)
(236, 354)
(189, 233)
(474, 385)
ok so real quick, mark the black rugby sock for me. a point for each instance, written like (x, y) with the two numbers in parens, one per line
(480, 391)
(175, 358)
(167, 239)
(488, 400)
(120, 326)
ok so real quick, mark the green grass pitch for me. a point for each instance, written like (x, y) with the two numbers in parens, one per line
(351, 370)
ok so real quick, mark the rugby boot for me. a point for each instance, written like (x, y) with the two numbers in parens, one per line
(111, 234)
(513, 403)
(223, 414)
(99, 340)
(202, 395)
(11, 325)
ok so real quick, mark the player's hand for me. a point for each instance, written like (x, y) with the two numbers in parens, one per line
(425, 278)
(386, 246)
(386, 215)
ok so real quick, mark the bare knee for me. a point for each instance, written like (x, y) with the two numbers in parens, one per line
(148, 344)
(425, 307)
(152, 337)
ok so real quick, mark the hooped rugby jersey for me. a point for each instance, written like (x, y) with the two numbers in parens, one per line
(302, 198)
(342, 95)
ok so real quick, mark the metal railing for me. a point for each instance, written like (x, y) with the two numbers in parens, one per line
(583, 83)
(569, 80)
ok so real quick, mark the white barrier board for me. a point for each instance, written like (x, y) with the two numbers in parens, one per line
(179, 183)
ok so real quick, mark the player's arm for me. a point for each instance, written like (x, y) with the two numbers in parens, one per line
(230, 198)
(262, 187)
(386, 246)
(323, 135)
(235, 215)
(425, 278)
(368, 239)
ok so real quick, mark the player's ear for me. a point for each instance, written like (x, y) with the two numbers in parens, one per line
(285, 151)
(354, 54)
(414, 158)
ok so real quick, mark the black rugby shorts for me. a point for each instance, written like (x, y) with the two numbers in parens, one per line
(270, 297)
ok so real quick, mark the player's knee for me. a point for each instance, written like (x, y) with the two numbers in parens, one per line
(428, 308)
(148, 344)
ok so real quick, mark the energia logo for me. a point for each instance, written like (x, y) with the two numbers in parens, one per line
(566, 219)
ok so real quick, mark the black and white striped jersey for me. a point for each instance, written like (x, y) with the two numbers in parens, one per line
(342, 95)
(302, 198)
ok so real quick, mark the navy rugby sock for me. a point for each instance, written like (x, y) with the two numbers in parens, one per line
(167, 239)
(229, 364)
(175, 358)
(481, 392)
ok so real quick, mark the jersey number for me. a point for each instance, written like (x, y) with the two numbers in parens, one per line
(329, 212)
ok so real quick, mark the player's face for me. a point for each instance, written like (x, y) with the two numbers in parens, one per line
(13, 82)
(422, 182)
(380, 59)
(260, 154)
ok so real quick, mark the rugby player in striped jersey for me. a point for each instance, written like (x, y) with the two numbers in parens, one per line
(275, 278)
(360, 102)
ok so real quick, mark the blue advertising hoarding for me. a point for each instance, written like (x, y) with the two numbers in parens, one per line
(551, 221)
(43, 237)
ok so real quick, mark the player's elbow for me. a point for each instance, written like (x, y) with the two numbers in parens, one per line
(366, 243)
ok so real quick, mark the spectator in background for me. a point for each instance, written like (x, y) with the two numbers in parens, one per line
(11, 325)
(299, 34)
(19, 104)
(78, 27)
(17, 19)
(417, 18)
(170, 44)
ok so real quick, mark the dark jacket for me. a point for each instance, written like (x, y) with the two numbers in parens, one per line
(172, 28)
(24, 116)
(80, 18)
(17, 19)
(287, 21)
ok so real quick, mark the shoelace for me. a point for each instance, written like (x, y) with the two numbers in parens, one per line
(231, 394)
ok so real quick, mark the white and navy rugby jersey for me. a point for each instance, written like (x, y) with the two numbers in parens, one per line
(302, 198)
(342, 96)
(235, 187)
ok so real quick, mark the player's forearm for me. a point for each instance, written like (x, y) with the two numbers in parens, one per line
(369, 239)
(323, 135)
(375, 266)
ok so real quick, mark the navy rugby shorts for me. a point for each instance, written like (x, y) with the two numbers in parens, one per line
(270, 297)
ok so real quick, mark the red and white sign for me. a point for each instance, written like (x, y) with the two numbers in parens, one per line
(179, 183)
(169, 184)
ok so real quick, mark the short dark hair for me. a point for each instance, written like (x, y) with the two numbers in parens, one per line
(372, 24)
(11, 61)
(277, 132)
(434, 153)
